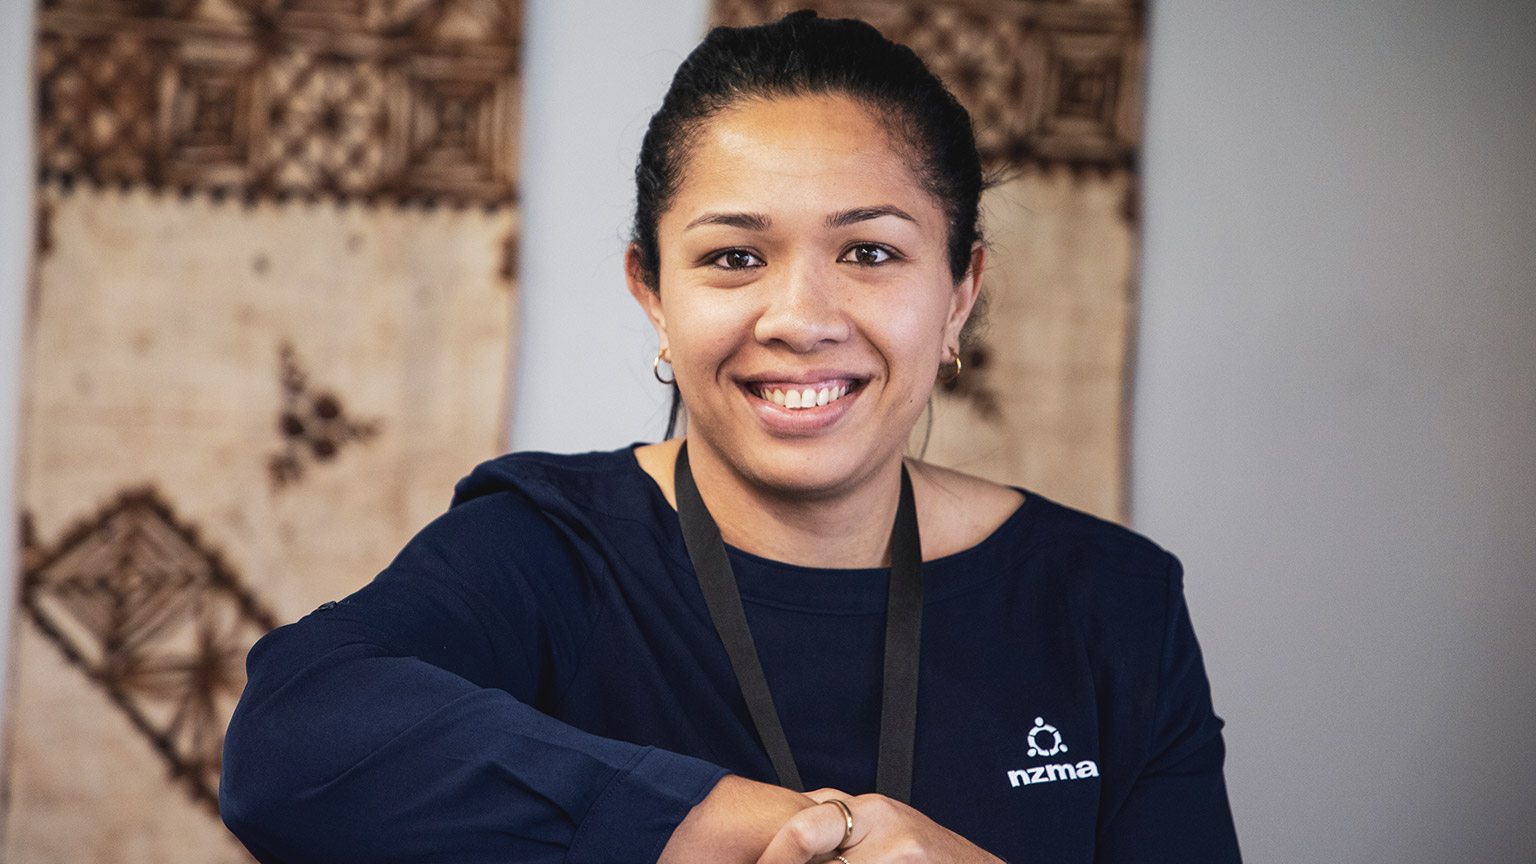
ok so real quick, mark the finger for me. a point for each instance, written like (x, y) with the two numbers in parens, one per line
(822, 796)
(813, 833)
(868, 812)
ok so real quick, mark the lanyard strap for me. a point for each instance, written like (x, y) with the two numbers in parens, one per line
(903, 630)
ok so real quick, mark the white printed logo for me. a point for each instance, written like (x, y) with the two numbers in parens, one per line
(1045, 740)
(1035, 748)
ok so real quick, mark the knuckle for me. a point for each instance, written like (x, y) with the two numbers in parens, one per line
(879, 806)
(802, 833)
(907, 850)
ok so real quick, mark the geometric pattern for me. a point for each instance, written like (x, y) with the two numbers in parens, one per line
(146, 610)
(314, 424)
(410, 101)
(223, 182)
(1047, 83)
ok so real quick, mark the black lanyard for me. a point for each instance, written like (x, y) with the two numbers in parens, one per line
(903, 630)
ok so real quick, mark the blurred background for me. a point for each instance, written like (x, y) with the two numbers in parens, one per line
(1327, 340)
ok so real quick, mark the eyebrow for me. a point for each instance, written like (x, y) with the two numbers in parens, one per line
(760, 222)
(744, 221)
(864, 214)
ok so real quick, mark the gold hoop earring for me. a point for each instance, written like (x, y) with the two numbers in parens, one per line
(656, 368)
(950, 379)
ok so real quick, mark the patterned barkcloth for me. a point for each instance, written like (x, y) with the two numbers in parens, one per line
(271, 323)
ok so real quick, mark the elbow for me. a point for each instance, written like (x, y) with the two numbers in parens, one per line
(252, 787)
(270, 793)
(263, 776)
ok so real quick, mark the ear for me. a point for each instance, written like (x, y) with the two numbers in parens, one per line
(648, 298)
(964, 298)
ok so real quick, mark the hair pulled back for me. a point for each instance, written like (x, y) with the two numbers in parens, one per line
(803, 55)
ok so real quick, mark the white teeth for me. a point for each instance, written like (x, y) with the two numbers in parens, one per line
(807, 398)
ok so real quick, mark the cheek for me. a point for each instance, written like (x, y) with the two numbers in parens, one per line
(702, 333)
(914, 328)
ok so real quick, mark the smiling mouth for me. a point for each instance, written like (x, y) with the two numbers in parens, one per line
(798, 398)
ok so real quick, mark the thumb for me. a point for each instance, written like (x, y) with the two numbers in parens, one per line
(810, 834)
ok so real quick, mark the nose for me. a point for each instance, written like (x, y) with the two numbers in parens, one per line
(801, 308)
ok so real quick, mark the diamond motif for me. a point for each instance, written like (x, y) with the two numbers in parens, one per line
(149, 613)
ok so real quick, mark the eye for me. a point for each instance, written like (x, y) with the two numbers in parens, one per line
(867, 255)
(736, 259)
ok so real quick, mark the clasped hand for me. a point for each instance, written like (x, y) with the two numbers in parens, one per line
(885, 831)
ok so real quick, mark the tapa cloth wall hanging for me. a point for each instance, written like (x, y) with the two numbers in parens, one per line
(1054, 89)
(270, 326)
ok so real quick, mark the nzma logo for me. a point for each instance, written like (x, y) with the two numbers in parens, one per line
(1044, 741)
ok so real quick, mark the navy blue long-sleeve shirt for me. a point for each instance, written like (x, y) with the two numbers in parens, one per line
(536, 678)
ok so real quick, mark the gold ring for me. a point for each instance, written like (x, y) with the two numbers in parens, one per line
(847, 824)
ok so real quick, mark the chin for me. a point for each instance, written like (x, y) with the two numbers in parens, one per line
(807, 469)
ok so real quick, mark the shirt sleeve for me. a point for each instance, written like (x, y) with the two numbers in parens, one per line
(399, 724)
(1177, 810)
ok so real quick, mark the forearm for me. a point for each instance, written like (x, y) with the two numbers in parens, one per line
(344, 754)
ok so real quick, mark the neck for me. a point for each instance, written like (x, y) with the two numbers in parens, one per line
(851, 528)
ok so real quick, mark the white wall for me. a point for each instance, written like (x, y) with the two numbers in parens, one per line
(1336, 411)
(15, 261)
(594, 73)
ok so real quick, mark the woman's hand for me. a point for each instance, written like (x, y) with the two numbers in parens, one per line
(733, 823)
(885, 831)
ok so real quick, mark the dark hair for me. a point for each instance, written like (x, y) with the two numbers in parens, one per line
(802, 55)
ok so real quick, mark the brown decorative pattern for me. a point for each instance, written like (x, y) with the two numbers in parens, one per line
(313, 423)
(150, 614)
(1046, 82)
(371, 99)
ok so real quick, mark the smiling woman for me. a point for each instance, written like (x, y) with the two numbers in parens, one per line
(801, 256)
(651, 654)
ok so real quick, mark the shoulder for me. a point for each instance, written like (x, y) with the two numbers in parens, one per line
(1099, 587)
(551, 477)
(1098, 545)
(551, 527)
(1066, 557)
(530, 509)
(958, 512)
(1121, 590)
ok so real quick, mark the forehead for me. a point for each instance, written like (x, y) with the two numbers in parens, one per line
(825, 151)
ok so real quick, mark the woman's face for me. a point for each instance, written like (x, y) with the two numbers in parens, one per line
(805, 298)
